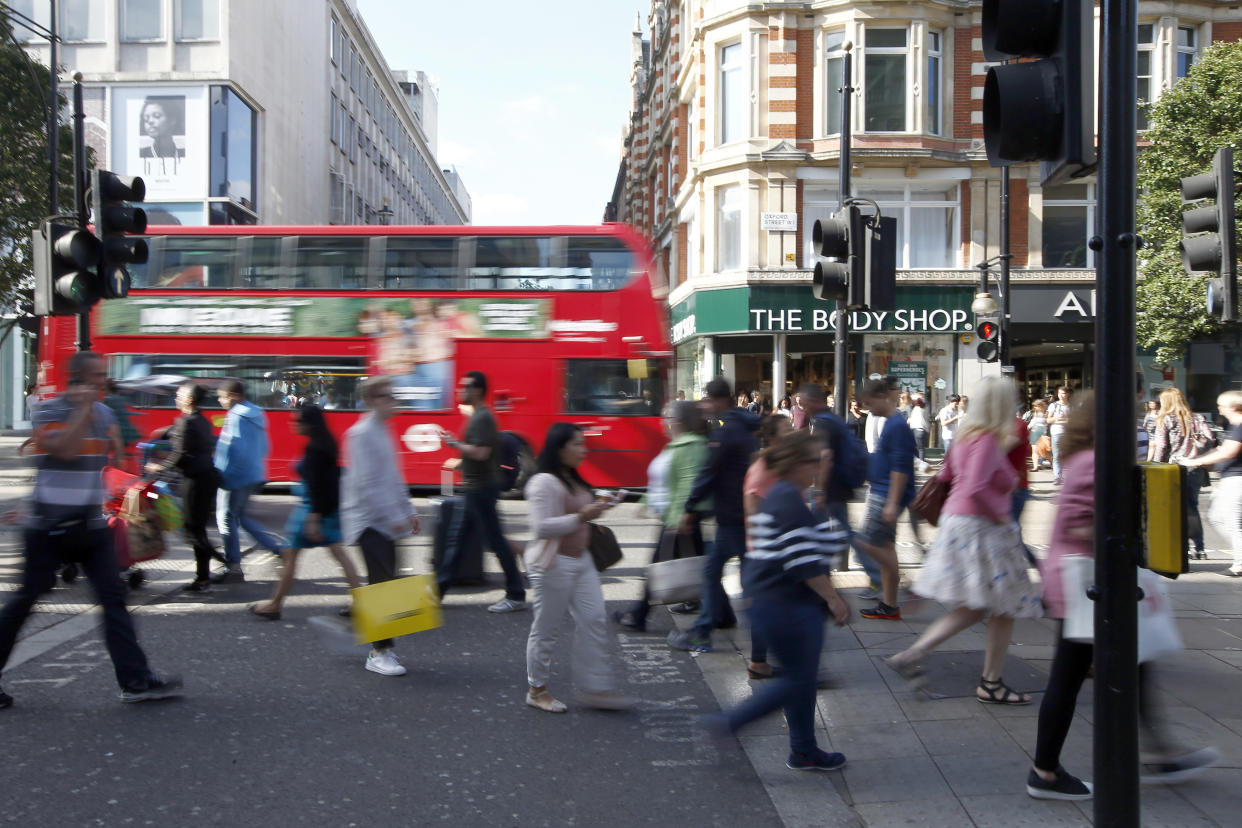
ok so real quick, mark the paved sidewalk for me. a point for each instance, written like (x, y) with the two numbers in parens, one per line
(953, 762)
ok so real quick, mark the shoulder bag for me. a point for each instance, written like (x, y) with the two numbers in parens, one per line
(933, 494)
(605, 550)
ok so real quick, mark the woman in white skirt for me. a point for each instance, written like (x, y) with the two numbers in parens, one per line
(977, 565)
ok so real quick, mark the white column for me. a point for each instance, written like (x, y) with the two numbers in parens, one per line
(778, 369)
(707, 368)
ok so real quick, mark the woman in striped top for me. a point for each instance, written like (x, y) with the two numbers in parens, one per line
(786, 579)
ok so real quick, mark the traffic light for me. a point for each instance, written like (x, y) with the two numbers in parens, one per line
(65, 260)
(1217, 250)
(1042, 109)
(880, 285)
(988, 330)
(114, 220)
(843, 238)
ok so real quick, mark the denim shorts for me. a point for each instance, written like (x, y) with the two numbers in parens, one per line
(874, 531)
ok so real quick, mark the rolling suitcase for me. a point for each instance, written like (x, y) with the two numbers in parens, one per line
(447, 508)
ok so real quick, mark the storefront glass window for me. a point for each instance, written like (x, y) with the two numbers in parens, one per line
(921, 362)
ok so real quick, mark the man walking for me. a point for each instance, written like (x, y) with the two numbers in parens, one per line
(731, 446)
(73, 435)
(241, 460)
(480, 472)
(375, 502)
(891, 475)
(1057, 417)
(949, 417)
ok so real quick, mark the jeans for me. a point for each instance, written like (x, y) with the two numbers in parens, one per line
(1226, 513)
(98, 561)
(571, 584)
(795, 632)
(380, 554)
(715, 609)
(1056, 456)
(920, 441)
(479, 507)
(1194, 522)
(1020, 499)
(231, 518)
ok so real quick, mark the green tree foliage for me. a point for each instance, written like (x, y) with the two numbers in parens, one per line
(23, 161)
(1199, 115)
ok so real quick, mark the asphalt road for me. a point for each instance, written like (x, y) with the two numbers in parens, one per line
(280, 726)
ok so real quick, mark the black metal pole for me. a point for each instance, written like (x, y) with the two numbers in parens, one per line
(79, 192)
(1004, 274)
(1116, 535)
(841, 350)
(53, 118)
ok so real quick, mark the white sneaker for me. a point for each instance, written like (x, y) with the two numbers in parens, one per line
(384, 663)
(507, 605)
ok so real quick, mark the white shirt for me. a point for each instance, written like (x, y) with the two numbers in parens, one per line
(657, 482)
(947, 429)
(1055, 408)
(373, 491)
(918, 417)
(871, 432)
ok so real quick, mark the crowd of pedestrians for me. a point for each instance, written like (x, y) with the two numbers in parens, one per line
(777, 484)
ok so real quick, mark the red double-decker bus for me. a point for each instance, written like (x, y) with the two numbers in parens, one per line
(566, 322)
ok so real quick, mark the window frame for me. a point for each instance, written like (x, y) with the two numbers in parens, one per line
(723, 194)
(727, 70)
(65, 13)
(933, 88)
(1088, 203)
(833, 55)
(1192, 51)
(904, 208)
(881, 51)
(1149, 48)
(177, 15)
(123, 15)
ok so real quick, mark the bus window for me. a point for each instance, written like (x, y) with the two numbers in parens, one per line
(605, 262)
(265, 268)
(272, 382)
(332, 262)
(509, 262)
(187, 262)
(614, 387)
(419, 263)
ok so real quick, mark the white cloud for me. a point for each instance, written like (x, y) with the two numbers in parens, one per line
(528, 105)
(499, 208)
(451, 152)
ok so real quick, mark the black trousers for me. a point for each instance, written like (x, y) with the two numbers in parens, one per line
(199, 500)
(45, 553)
(380, 554)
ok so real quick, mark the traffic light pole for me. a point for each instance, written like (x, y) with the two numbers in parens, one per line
(1004, 274)
(841, 350)
(1116, 763)
(53, 118)
(79, 192)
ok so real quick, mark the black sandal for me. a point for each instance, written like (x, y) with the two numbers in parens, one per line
(1000, 693)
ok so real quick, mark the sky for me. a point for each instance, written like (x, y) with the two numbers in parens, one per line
(533, 97)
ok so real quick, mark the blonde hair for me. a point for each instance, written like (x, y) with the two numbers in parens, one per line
(991, 409)
(1172, 402)
(1231, 399)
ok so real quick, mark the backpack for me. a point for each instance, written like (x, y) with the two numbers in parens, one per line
(849, 462)
(510, 460)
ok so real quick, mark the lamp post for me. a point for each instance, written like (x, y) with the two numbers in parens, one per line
(985, 303)
(384, 214)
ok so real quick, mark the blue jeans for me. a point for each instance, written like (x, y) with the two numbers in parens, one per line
(1056, 456)
(795, 632)
(1020, 498)
(479, 508)
(714, 608)
(231, 518)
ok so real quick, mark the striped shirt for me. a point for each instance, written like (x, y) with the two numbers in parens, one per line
(67, 490)
(788, 546)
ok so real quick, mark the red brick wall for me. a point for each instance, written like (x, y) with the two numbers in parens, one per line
(963, 82)
(1019, 221)
(798, 210)
(1226, 32)
(806, 89)
(965, 223)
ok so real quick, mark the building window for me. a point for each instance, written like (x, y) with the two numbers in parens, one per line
(198, 19)
(233, 156)
(334, 41)
(732, 94)
(1068, 216)
(36, 10)
(344, 50)
(834, 79)
(884, 71)
(1187, 48)
(927, 219)
(81, 20)
(932, 89)
(332, 117)
(729, 228)
(142, 20)
(1146, 49)
(817, 203)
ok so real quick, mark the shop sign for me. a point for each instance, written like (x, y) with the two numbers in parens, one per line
(787, 222)
(902, 320)
(1055, 303)
(684, 329)
(912, 375)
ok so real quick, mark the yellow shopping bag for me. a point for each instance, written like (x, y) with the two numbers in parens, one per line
(398, 607)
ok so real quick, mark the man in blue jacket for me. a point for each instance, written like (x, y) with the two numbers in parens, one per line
(730, 448)
(241, 460)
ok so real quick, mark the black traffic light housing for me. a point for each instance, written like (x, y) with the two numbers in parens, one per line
(114, 220)
(1217, 250)
(988, 330)
(880, 287)
(1042, 109)
(66, 259)
(843, 238)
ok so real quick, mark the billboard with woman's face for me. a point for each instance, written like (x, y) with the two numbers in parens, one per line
(160, 133)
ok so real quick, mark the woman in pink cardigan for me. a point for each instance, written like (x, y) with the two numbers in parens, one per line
(977, 565)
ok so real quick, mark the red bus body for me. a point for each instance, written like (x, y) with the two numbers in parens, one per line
(533, 343)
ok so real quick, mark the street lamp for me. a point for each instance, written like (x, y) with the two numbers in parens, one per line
(984, 303)
(384, 214)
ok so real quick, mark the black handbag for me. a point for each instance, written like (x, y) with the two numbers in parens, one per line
(605, 550)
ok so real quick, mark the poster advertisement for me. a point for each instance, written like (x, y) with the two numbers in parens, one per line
(160, 133)
(911, 375)
(413, 340)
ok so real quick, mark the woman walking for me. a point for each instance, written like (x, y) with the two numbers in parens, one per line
(759, 480)
(1226, 510)
(1179, 434)
(1072, 534)
(192, 446)
(917, 419)
(670, 477)
(977, 564)
(787, 582)
(316, 520)
(563, 577)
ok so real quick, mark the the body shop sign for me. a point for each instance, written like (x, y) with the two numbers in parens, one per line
(912, 320)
